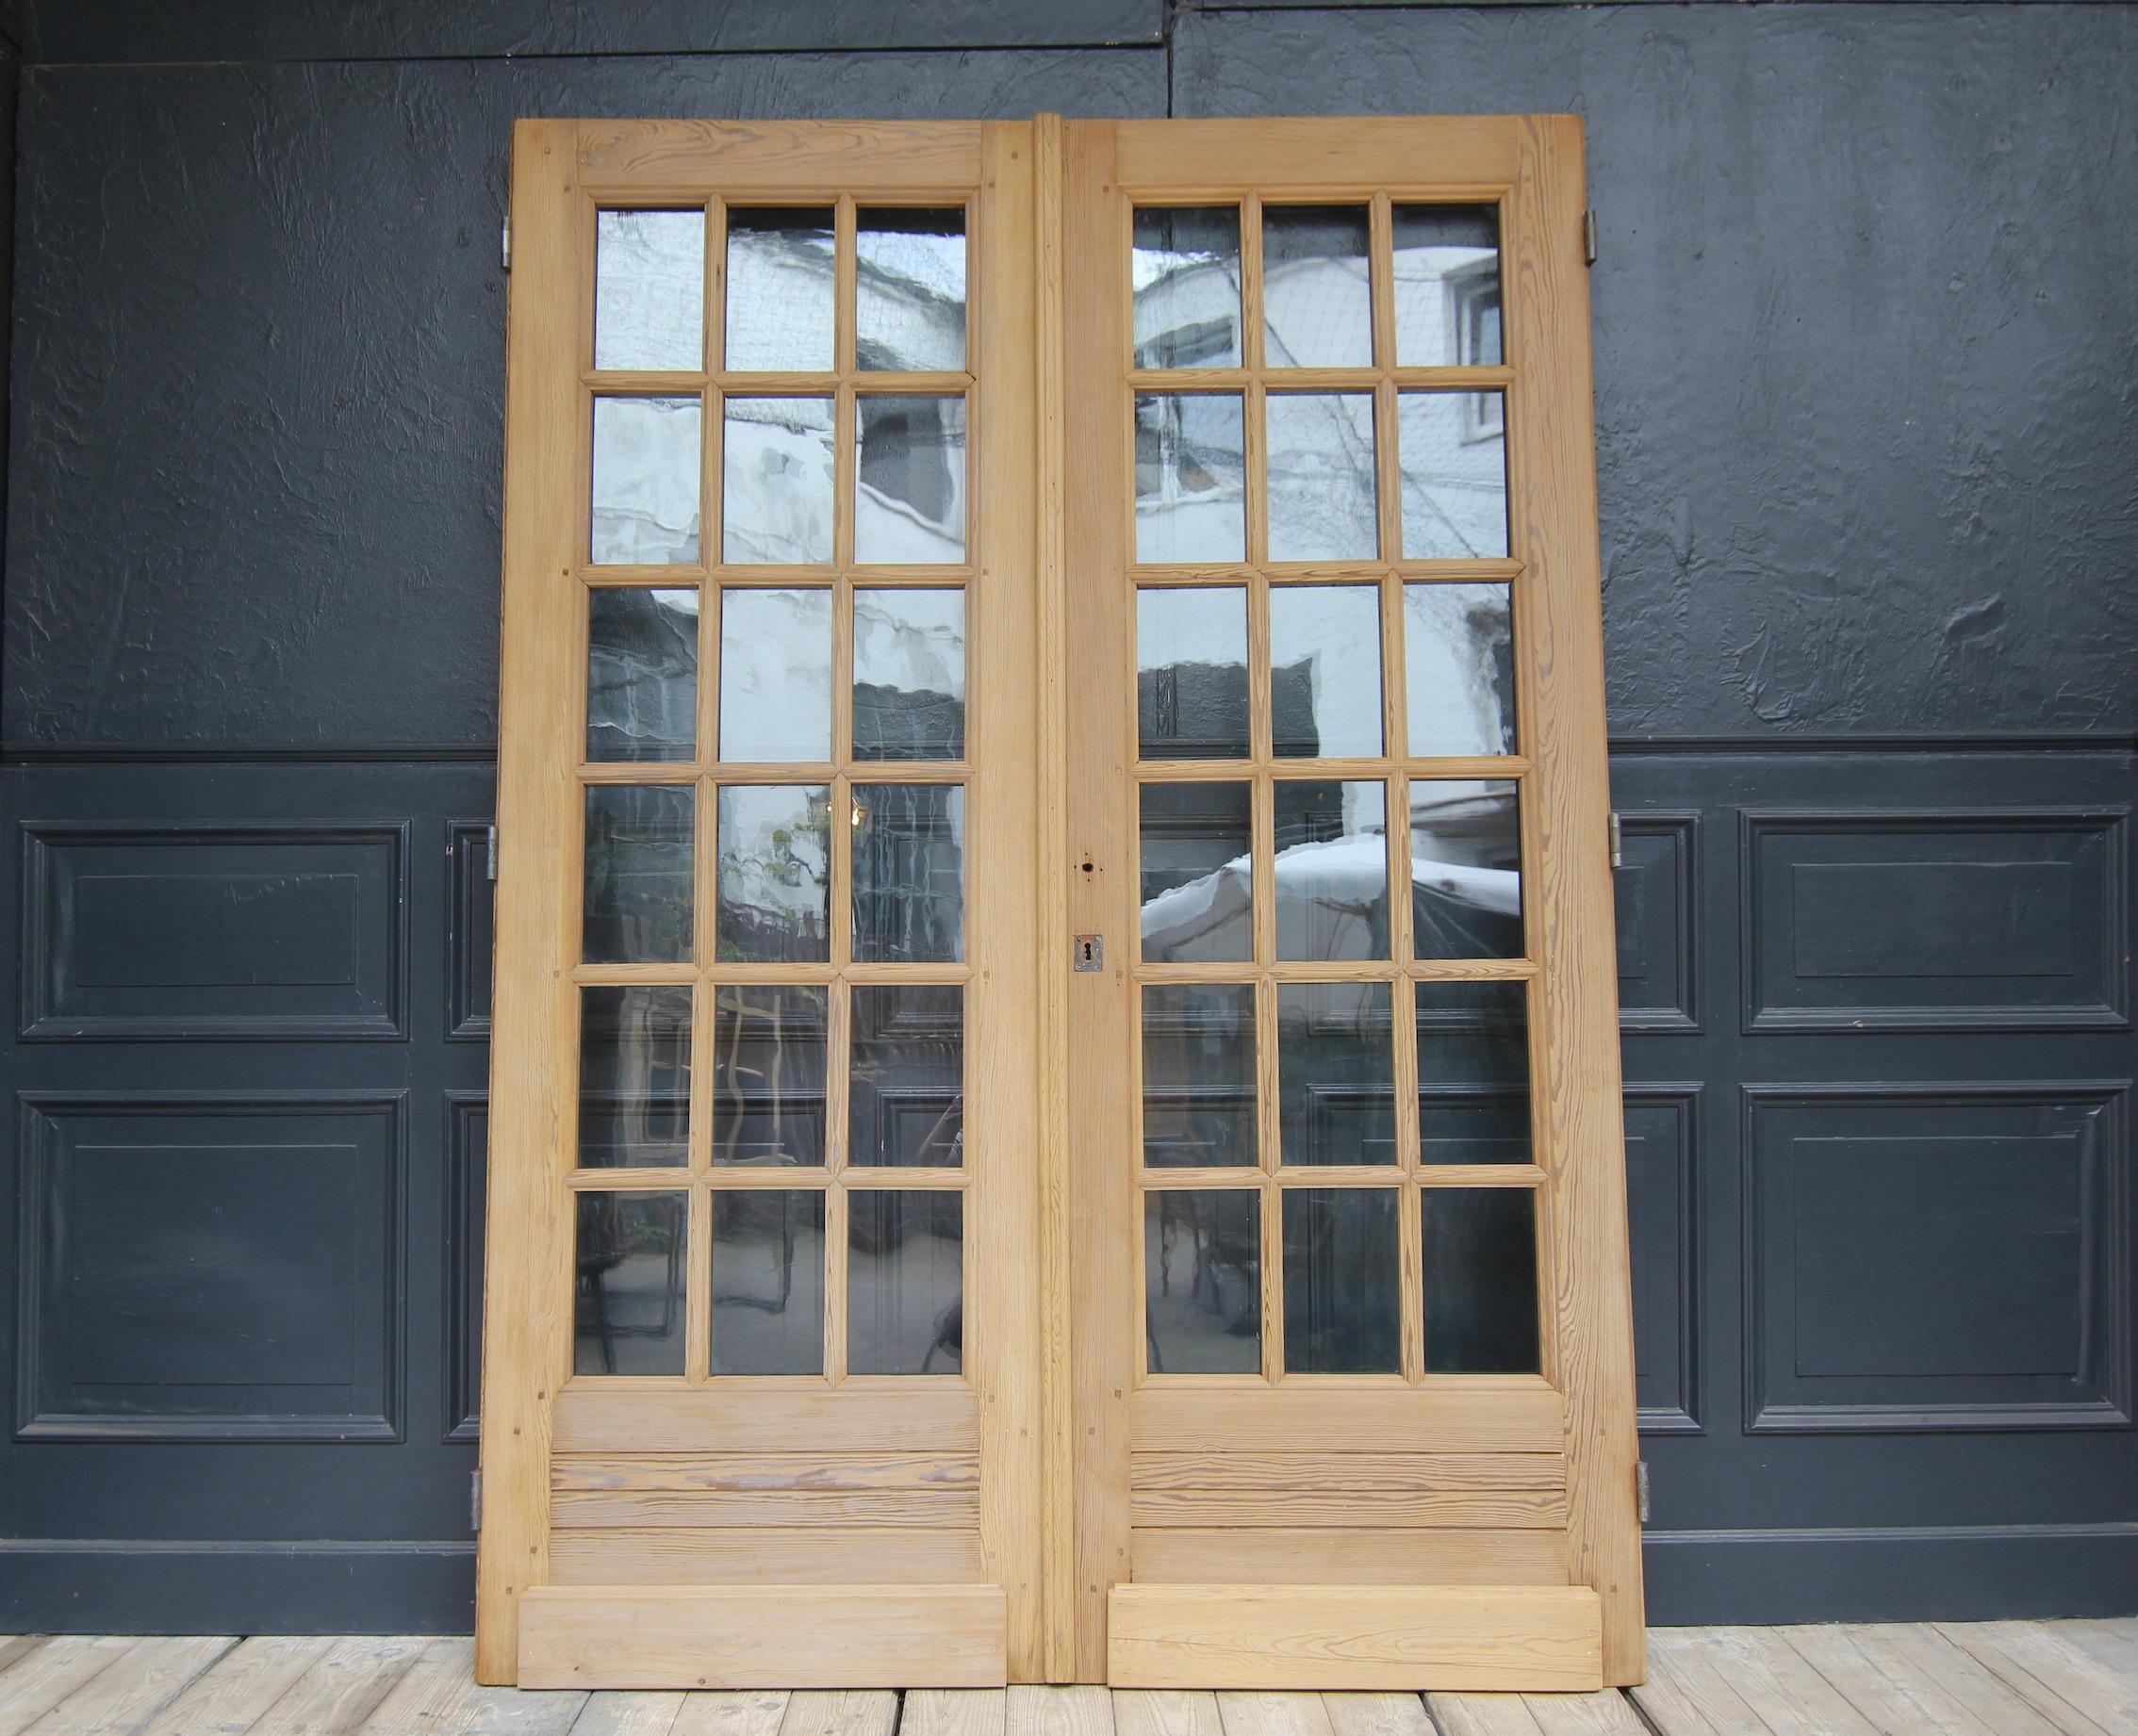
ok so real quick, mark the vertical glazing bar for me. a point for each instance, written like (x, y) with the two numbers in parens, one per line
(698, 1283)
(1266, 1131)
(1255, 456)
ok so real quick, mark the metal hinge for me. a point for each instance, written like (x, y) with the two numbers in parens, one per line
(1640, 1488)
(475, 1502)
(1588, 234)
(490, 848)
(1617, 842)
(504, 248)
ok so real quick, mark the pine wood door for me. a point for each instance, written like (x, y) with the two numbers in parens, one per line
(1353, 1374)
(762, 1370)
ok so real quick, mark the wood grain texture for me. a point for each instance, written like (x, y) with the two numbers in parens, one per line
(815, 1555)
(599, 1419)
(819, 1636)
(739, 1472)
(640, 1509)
(1294, 1509)
(1376, 1714)
(1339, 1468)
(954, 1711)
(1451, 1416)
(804, 157)
(1352, 1636)
(1338, 1557)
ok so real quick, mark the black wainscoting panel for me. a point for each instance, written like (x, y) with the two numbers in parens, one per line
(468, 1152)
(214, 931)
(211, 1269)
(1658, 979)
(1935, 921)
(471, 931)
(1662, 1189)
(1936, 1257)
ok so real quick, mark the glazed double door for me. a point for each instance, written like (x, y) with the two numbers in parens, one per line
(1054, 1108)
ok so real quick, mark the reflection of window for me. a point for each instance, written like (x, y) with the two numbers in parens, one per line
(905, 454)
(1473, 312)
(1211, 343)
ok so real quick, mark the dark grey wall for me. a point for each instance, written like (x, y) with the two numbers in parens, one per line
(1868, 414)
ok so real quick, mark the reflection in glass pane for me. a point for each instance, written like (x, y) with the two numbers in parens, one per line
(776, 675)
(776, 482)
(1473, 1072)
(775, 890)
(1184, 274)
(1316, 300)
(637, 906)
(1341, 1301)
(633, 1077)
(905, 1282)
(1325, 671)
(641, 674)
(767, 1281)
(780, 281)
(909, 289)
(1453, 454)
(627, 1293)
(767, 1075)
(1336, 1073)
(644, 510)
(1199, 1075)
(1332, 870)
(909, 674)
(1203, 1281)
(909, 481)
(1447, 286)
(908, 873)
(1192, 674)
(906, 1093)
(1458, 668)
(1465, 869)
(1322, 489)
(1480, 1249)
(650, 290)
(1190, 477)
(1197, 877)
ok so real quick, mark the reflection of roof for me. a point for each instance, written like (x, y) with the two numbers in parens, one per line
(1343, 872)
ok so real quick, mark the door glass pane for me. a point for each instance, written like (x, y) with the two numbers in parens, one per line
(776, 675)
(906, 1092)
(1458, 668)
(628, 1291)
(1336, 1073)
(1322, 489)
(905, 1282)
(633, 1076)
(650, 290)
(909, 289)
(1199, 1075)
(1203, 1281)
(1480, 1259)
(1452, 448)
(909, 674)
(1190, 477)
(637, 906)
(1447, 286)
(1192, 674)
(908, 873)
(775, 891)
(1184, 275)
(1465, 869)
(645, 508)
(1341, 1304)
(767, 1075)
(1325, 671)
(909, 481)
(780, 287)
(1332, 870)
(1317, 297)
(641, 674)
(1473, 1073)
(1197, 882)
(767, 1280)
(776, 467)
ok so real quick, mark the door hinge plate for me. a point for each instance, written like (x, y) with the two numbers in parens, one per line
(1086, 952)
(1640, 1489)
(1589, 235)
(490, 852)
(474, 1501)
(1617, 842)
(504, 246)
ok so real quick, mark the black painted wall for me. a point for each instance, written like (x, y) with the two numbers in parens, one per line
(1867, 416)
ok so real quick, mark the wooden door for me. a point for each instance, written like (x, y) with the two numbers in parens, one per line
(760, 1379)
(1354, 1385)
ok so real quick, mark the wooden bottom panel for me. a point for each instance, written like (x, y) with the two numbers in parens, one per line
(820, 1636)
(743, 1473)
(1483, 1413)
(1341, 1469)
(941, 1510)
(1531, 1638)
(1333, 1557)
(916, 1416)
(1477, 1509)
(814, 1555)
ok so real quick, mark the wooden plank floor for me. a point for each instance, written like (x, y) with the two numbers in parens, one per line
(1982, 1678)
